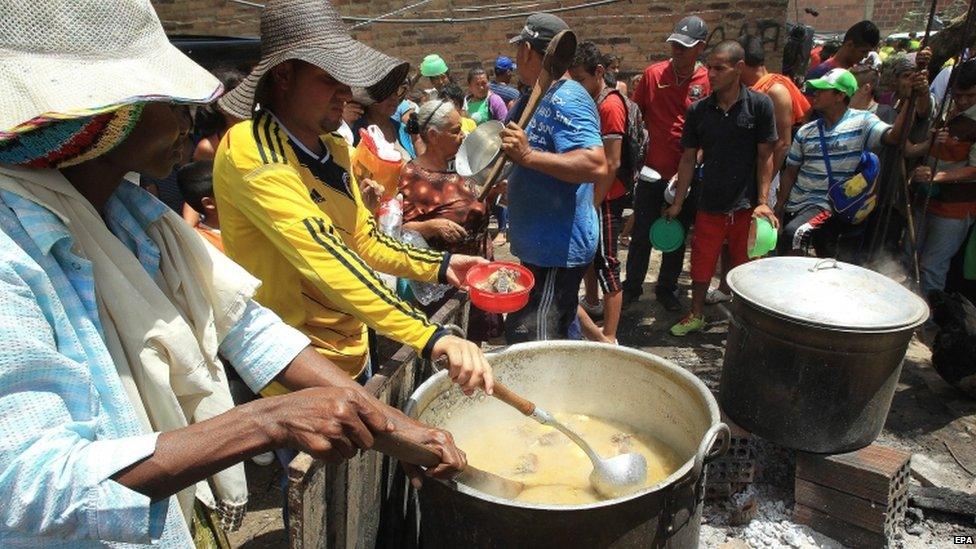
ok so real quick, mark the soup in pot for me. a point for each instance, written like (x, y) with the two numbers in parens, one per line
(553, 468)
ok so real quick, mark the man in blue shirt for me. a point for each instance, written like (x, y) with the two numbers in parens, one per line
(554, 227)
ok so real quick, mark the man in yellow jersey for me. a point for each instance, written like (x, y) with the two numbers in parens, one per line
(291, 211)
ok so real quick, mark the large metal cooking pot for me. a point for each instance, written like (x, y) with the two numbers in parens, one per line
(605, 381)
(814, 351)
(479, 150)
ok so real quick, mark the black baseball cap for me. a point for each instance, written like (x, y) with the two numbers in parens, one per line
(539, 30)
(689, 31)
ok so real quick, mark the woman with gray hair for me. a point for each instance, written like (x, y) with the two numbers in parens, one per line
(440, 204)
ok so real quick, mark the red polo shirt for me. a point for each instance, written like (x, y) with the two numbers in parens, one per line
(664, 103)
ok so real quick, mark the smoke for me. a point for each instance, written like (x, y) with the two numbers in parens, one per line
(893, 266)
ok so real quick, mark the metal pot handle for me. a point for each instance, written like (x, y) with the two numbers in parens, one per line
(707, 450)
(823, 264)
(714, 444)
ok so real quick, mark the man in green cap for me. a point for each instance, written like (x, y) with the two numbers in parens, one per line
(435, 69)
(802, 202)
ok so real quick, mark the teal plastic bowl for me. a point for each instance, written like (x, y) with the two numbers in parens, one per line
(667, 235)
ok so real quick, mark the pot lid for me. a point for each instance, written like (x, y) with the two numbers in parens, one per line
(829, 293)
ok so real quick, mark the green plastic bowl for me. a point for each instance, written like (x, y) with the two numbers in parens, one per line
(762, 237)
(667, 235)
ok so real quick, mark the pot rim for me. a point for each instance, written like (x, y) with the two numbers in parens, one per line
(815, 265)
(687, 467)
(827, 327)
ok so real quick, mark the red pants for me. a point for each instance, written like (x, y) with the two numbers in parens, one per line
(711, 232)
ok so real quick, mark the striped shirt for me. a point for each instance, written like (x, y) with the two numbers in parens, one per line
(66, 423)
(855, 132)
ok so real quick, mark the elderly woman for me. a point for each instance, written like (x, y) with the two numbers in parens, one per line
(443, 206)
(117, 425)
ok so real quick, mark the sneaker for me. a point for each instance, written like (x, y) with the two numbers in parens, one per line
(595, 311)
(688, 324)
(717, 296)
(669, 301)
(264, 459)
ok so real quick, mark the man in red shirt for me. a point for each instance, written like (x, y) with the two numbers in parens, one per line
(609, 195)
(664, 94)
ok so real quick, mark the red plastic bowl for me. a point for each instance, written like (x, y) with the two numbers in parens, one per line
(499, 303)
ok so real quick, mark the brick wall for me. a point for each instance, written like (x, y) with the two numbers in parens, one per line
(890, 15)
(633, 29)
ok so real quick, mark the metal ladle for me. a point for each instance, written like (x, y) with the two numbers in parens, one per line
(611, 478)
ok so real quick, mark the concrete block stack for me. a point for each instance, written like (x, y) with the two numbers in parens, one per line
(734, 471)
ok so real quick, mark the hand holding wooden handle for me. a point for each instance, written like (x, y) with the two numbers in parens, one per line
(507, 396)
(394, 445)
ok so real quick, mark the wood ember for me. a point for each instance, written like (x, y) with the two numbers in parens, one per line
(943, 499)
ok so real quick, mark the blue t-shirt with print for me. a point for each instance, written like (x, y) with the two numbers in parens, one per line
(553, 223)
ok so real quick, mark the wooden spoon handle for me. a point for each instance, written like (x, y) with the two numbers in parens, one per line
(541, 87)
(394, 445)
(509, 397)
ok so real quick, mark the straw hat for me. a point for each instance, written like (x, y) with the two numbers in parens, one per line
(70, 59)
(312, 31)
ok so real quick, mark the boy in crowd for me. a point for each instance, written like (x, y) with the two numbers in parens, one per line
(610, 195)
(735, 130)
(196, 184)
(862, 38)
(502, 84)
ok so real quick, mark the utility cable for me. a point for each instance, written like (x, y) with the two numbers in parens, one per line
(362, 21)
(385, 15)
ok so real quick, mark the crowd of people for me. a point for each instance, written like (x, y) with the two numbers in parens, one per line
(133, 323)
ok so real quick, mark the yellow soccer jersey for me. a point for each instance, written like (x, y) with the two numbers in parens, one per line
(297, 222)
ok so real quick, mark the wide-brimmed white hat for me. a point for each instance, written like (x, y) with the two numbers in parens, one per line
(312, 31)
(70, 59)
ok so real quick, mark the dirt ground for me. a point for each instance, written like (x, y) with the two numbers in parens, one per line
(927, 417)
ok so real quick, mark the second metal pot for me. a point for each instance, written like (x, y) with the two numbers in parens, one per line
(814, 352)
